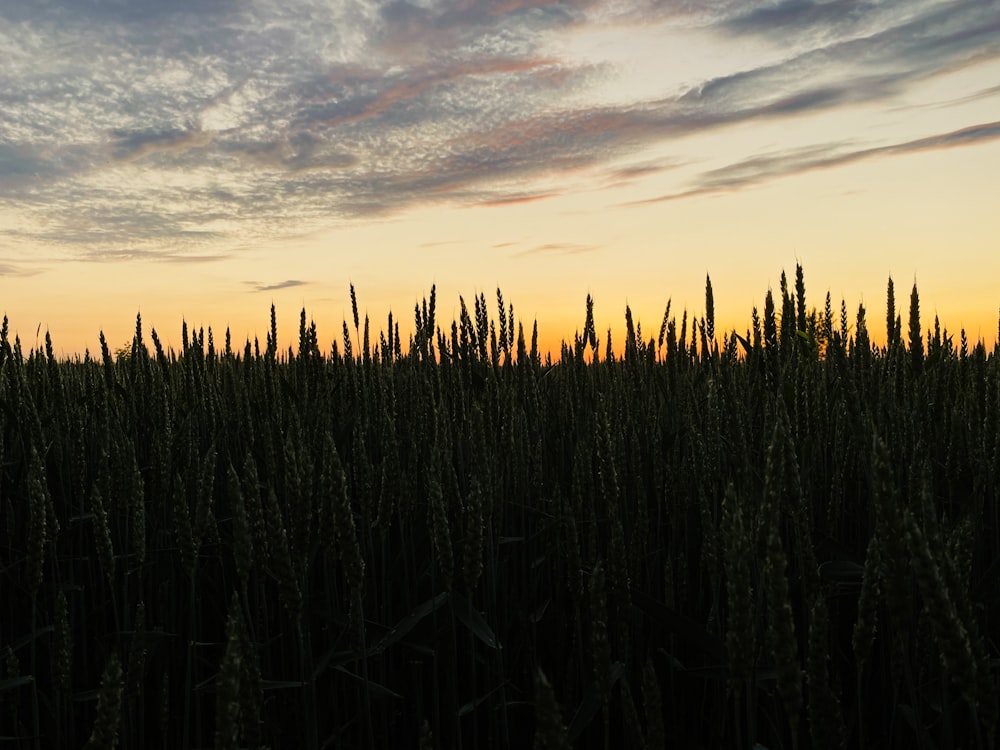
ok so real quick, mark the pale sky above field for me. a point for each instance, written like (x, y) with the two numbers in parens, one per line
(201, 159)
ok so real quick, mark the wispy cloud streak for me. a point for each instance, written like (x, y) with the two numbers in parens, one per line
(761, 169)
(17, 270)
(258, 286)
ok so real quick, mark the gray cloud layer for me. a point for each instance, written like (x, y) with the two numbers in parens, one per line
(159, 128)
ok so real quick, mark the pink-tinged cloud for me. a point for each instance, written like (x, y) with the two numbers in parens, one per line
(410, 88)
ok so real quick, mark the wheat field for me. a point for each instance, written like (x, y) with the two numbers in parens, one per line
(787, 535)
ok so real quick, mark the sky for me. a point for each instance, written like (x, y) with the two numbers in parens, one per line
(199, 160)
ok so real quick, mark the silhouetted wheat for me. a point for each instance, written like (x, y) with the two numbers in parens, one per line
(788, 536)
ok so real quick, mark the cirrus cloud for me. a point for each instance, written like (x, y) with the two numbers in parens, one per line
(178, 127)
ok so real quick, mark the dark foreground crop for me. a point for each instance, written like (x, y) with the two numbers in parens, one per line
(788, 537)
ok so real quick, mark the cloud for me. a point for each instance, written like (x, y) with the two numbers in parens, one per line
(800, 15)
(291, 157)
(24, 161)
(126, 254)
(984, 93)
(178, 127)
(135, 145)
(17, 270)
(631, 172)
(768, 167)
(367, 95)
(920, 37)
(558, 248)
(193, 259)
(518, 198)
(258, 286)
(111, 11)
(410, 32)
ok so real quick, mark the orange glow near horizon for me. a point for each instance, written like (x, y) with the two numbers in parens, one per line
(551, 161)
(72, 335)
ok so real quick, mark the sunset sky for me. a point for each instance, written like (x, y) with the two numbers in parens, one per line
(201, 159)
